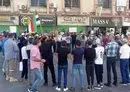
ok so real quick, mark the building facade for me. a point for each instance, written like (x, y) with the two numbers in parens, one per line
(64, 13)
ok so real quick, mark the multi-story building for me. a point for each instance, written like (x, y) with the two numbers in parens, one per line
(80, 14)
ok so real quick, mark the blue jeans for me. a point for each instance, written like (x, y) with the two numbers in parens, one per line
(124, 66)
(4, 64)
(63, 68)
(38, 77)
(77, 68)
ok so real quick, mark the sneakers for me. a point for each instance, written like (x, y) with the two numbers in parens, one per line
(89, 89)
(58, 89)
(101, 85)
(65, 89)
(98, 86)
(12, 79)
(30, 90)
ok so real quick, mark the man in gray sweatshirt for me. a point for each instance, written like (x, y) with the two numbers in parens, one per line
(11, 50)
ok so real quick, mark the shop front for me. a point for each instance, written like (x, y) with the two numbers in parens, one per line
(7, 21)
(106, 23)
(47, 23)
(126, 24)
(78, 23)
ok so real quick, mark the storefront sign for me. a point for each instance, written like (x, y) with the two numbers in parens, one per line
(126, 21)
(73, 20)
(105, 21)
(9, 20)
(45, 20)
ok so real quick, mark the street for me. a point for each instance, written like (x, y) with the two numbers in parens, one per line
(5, 86)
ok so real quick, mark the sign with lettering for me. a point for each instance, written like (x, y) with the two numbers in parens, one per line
(45, 20)
(106, 21)
(126, 21)
(9, 20)
(73, 20)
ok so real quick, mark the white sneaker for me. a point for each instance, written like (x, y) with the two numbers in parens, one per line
(13, 79)
(58, 89)
(65, 89)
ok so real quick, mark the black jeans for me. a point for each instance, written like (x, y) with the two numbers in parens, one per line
(99, 73)
(90, 74)
(25, 69)
(111, 64)
(52, 70)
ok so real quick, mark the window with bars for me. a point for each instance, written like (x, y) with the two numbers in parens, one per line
(38, 3)
(105, 3)
(72, 3)
(4, 2)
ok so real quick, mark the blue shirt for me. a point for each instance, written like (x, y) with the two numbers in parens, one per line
(78, 55)
(112, 49)
(2, 44)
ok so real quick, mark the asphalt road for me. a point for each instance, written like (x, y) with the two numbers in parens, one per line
(5, 86)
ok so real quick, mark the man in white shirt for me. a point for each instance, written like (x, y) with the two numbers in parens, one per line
(124, 62)
(99, 64)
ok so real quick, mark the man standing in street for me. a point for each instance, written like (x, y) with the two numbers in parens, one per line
(77, 53)
(112, 49)
(124, 62)
(46, 53)
(11, 50)
(35, 65)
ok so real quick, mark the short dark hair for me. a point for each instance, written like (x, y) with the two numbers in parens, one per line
(11, 35)
(36, 41)
(89, 42)
(78, 42)
(30, 40)
(64, 43)
(25, 43)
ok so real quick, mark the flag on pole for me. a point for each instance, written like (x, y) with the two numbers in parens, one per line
(31, 27)
(37, 18)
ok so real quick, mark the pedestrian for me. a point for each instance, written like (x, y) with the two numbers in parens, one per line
(90, 55)
(46, 53)
(35, 65)
(62, 65)
(77, 53)
(11, 50)
(112, 49)
(99, 64)
(3, 53)
(124, 62)
(73, 36)
(24, 61)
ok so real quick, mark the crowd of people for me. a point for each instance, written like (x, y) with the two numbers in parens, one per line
(36, 54)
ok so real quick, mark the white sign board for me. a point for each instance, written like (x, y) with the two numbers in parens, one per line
(72, 29)
(121, 3)
(13, 29)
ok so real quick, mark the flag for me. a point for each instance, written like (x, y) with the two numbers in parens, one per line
(37, 18)
(31, 27)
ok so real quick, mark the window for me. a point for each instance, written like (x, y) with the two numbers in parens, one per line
(38, 3)
(105, 3)
(4, 2)
(129, 4)
(72, 3)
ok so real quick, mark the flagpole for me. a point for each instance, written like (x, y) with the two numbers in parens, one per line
(41, 29)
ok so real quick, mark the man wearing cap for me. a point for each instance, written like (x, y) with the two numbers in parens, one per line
(124, 62)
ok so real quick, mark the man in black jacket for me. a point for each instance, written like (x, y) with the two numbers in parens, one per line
(46, 53)
(90, 55)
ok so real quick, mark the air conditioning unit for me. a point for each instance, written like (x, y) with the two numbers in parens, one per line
(119, 8)
(23, 7)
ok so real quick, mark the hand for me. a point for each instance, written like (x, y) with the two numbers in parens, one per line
(43, 60)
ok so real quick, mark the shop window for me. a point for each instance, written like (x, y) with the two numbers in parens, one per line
(38, 3)
(4, 2)
(105, 3)
(72, 3)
